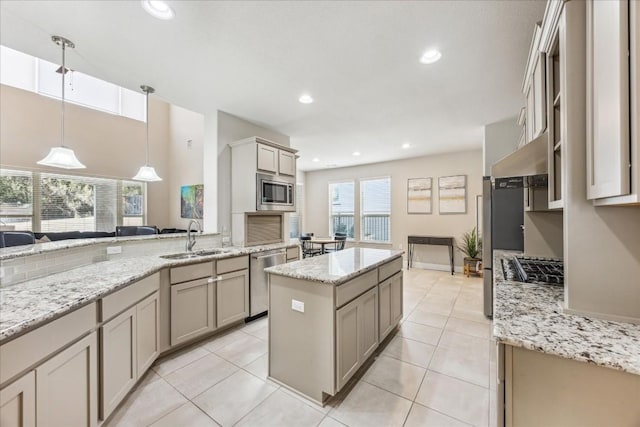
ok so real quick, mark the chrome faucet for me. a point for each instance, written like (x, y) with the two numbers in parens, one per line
(191, 241)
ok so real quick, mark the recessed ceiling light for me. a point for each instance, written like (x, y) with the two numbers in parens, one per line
(406, 145)
(356, 153)
(305, 99)
(430, 56)
(315, 159)
(158, 9)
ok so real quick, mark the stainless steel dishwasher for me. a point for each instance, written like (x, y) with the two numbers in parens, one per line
(258, 289)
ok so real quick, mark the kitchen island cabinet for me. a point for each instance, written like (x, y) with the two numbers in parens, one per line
(324, 317)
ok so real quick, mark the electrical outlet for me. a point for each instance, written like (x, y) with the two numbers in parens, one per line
(297, 305)
(112, 250)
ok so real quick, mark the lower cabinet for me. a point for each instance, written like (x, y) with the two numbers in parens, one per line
(67, 388)
(390, 296)
(356, 334)
(129, 345)
(193, 310)
(232, 297)
(18, 402)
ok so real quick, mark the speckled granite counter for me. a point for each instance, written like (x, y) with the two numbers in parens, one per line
(531, 316)
(27, 305)
(336, 267)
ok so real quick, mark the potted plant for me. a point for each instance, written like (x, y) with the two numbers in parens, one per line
(471, 246)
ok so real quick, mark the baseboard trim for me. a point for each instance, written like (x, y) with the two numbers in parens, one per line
(430, 266)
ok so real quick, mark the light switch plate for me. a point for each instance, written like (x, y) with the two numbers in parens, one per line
(297, 305)
(112, 250)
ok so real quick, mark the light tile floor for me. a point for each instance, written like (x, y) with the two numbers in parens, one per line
(438, 370)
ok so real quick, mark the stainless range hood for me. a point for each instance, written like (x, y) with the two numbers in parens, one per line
(530, 159)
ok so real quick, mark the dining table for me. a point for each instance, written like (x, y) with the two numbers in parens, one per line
(323, 241)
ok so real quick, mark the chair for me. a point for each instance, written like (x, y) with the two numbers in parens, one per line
(307, 247)
(339, 245)
(16, 238)
(135, 230)
(172, 230)
(340, 234)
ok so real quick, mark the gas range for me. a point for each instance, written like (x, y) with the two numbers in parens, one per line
(541, 271)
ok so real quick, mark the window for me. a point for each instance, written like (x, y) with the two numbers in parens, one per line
(375, 210)
(16, 199)
(295, 218)
(341, 208)
(45, 202)
(27, 72)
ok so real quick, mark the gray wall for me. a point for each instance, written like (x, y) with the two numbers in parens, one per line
(500, 138)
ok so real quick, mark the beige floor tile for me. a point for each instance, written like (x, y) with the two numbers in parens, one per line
(477, 347)
(151, 400)
(475, 315)
(421, 416)
(396, 376)
(218, 341)
(469, 327)
(262, 333)
(330, 422)
(280, 410)
(493, 408)
(255, 325)
(259, 367)
(418, 332)
(198, 376)
(455, 398)
(234, 397)
(465, 365)
(410, 351)
(368, 405)
(243, 351)
(177, 360)
(186, 415)
(434, 307)
(427, 318)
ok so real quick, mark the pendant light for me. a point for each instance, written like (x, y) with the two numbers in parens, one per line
(146, 172)
(62, 157)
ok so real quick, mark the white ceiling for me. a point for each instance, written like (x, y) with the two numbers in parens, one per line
(358, 59)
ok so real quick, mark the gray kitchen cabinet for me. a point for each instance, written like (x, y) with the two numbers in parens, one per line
(612, 104)
(286, 163)
(390, 295)
(356, 334)
(232, 297)
(147, 332)
(18, 402)
(119, 360)
(565, 389)
(267, 158)
(193, 310)
(66, 386)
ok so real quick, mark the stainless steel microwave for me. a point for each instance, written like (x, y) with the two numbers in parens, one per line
(275, 193)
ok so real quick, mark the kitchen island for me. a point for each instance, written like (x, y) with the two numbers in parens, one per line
(579, 370)
(327, 316)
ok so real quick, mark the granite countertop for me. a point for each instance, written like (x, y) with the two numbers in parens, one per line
(337, 267)
(40, 248)
(27, 305)
(531, 316)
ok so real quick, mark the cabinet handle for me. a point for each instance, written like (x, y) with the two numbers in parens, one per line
(212, 280)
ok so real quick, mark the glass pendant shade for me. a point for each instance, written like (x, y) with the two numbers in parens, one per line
(62, 157)
(147, 173)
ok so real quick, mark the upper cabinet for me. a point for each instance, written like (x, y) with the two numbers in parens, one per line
(612, 102)
(271, 159)
(534, 89)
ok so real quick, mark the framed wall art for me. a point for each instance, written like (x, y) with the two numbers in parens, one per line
(191, 201)
(452, 194)
(419, 196)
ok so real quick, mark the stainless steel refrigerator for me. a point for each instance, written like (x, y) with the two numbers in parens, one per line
(502, 226)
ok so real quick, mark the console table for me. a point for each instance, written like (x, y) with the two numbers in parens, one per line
(429, 240)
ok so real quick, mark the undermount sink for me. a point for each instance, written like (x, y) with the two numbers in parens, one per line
(190, 255)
